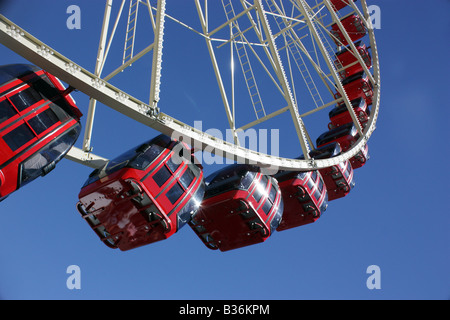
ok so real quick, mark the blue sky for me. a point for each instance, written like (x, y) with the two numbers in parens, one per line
(397, 217)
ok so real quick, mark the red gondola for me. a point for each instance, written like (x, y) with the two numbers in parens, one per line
(355, 29)
(339, 178)
(39, 123)
(357, 86)
(339, 4)
(305, 197)
(348, 64)
(340, 115)
(241, 207)
(144, 195)
(346, 135)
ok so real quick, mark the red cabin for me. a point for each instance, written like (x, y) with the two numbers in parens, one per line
(39, 123)
(305, 197)
(348, 64)
(346, 135)
(144, 195)
(241, 207)
(353, 25)
(339, 178)
(340, 114)
(357, 86)
(339, 4)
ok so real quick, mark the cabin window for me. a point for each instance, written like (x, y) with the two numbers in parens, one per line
(19, 137)
(38, 163)
(235, 177)
(162, 176)
(273, 194)
(267, 206)
(25, 99)
(320, 185)
(191, 207)
(43, 121)
(365, 56)
(6, 110)
(174, 164)
(260, 189)
(175, 193)
(247, 180)
(187, 178)
(310, 184)
(317, 194)
(301, 175)
(144, 159)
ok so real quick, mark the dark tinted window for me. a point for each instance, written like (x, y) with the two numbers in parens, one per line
(230, 178)
(18, 137)
(314, 176)
(184, 215)
(120, 161)
(161, 140)
(40, 162)
(162, 176)
(173, 164)
(320, 185)
(302, 175)
(310, 184)
(143, 160)
(43, 121)
(260, 188)
(25, 98)
(267, 206)
(187, 178)
(317, 194)
(247, 180)
(175, 193)
(273, 194)
(257, 194)
(6, 110)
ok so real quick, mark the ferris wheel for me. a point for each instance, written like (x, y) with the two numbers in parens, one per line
(294, 42)
(314, 60)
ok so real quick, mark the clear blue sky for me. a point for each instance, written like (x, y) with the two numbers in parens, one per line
(397, 217)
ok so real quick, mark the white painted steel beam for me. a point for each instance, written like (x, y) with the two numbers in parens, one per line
(298, 122)
(98, 70)
(229, 113)
(86, 158)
